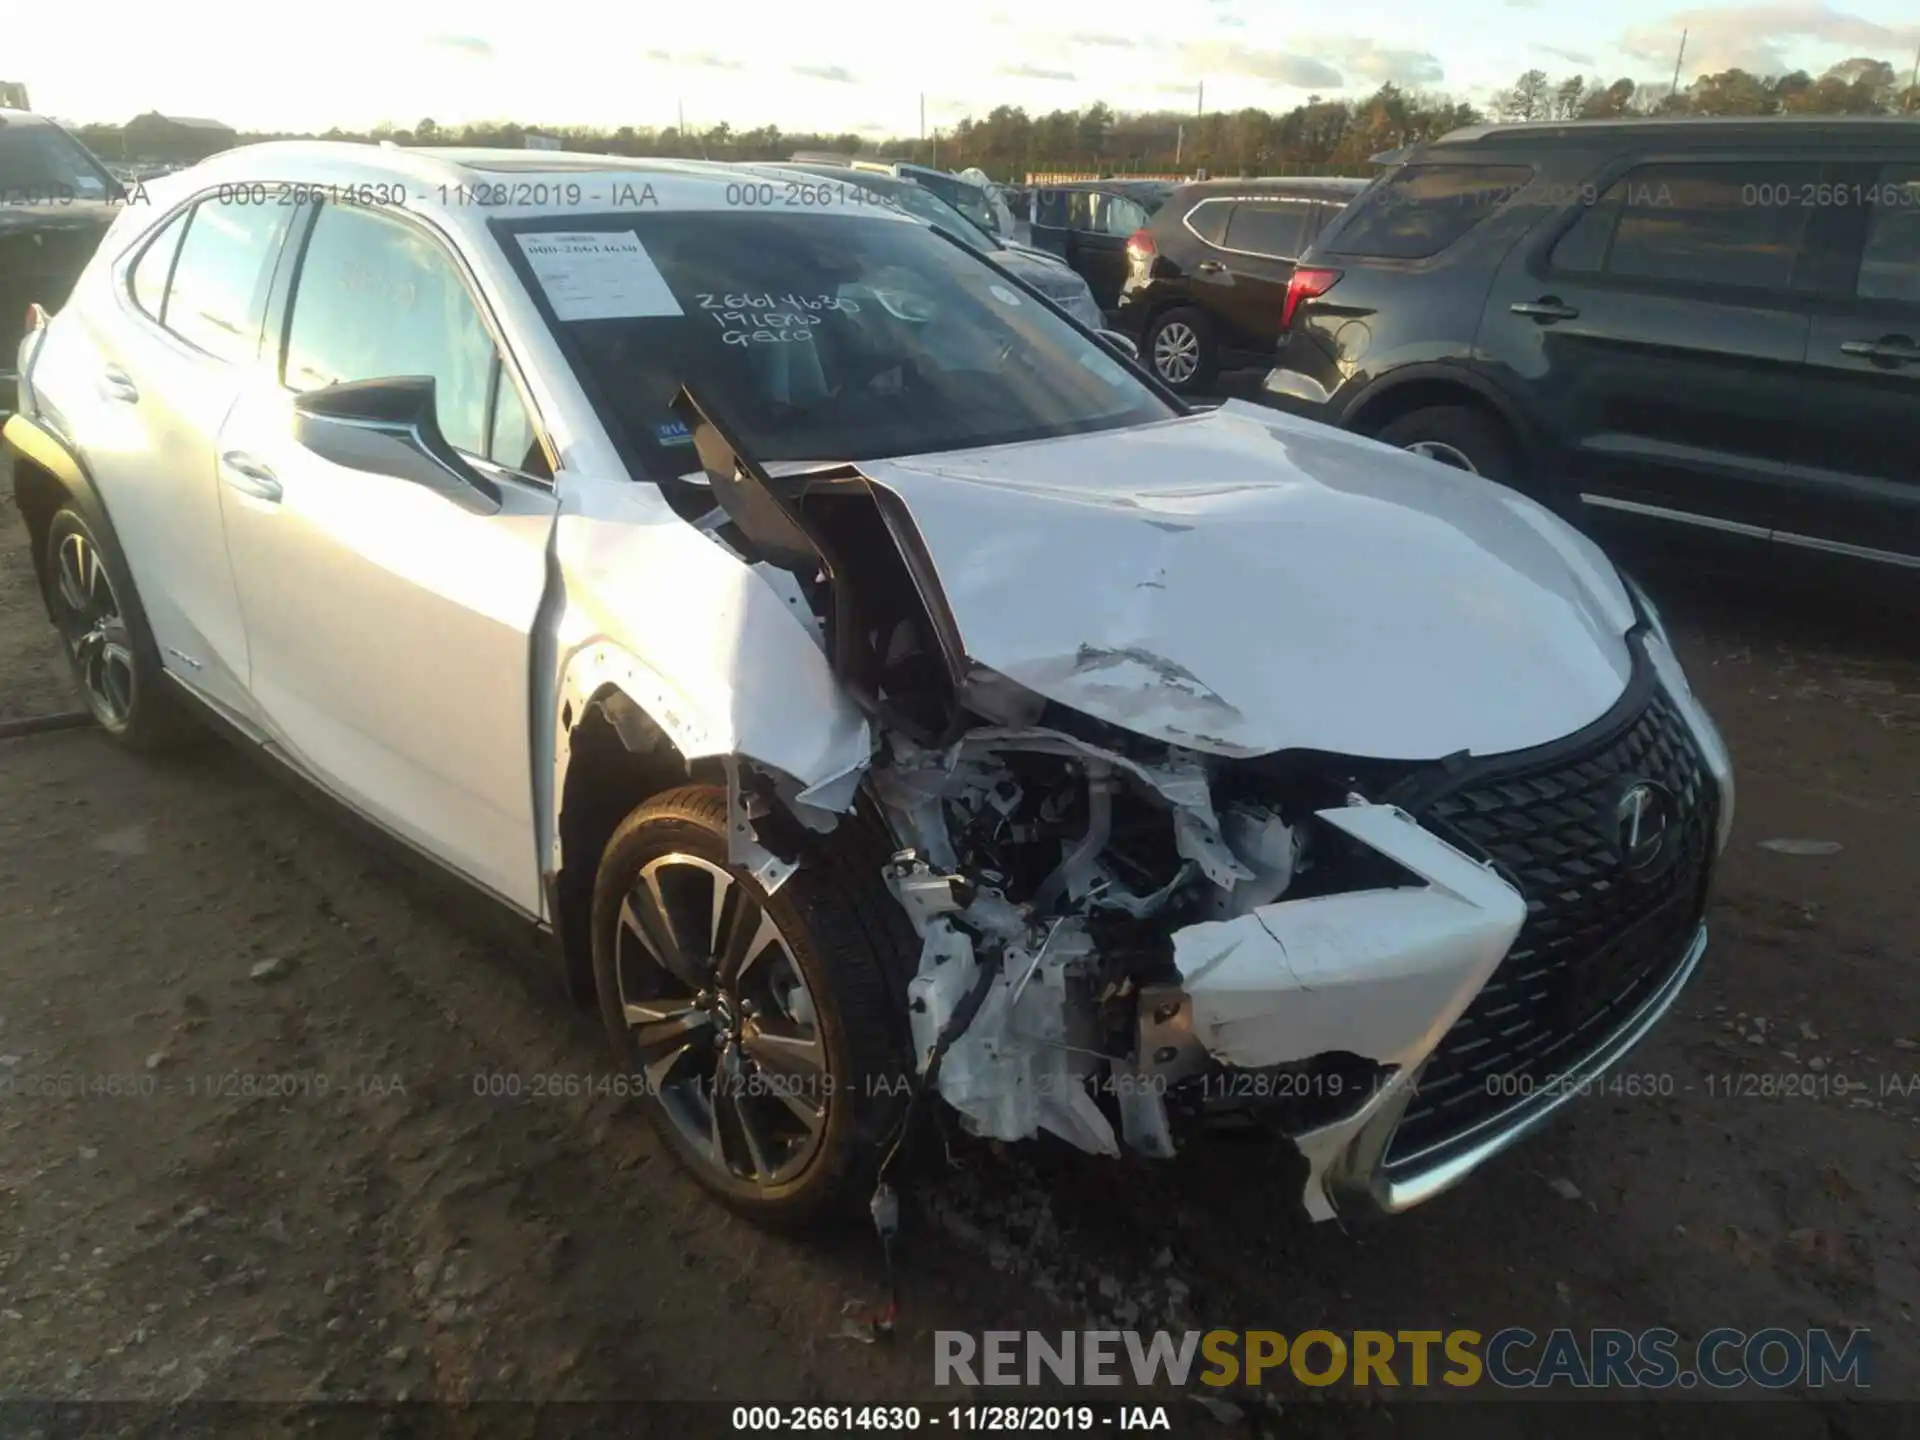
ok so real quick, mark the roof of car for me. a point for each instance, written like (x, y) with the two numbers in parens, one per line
(17, 117)
(1332, 187)
(1785, 130)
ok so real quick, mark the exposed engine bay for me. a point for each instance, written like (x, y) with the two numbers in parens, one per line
(1121, 938)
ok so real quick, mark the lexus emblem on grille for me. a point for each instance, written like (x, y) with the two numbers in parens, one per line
(1643, 816)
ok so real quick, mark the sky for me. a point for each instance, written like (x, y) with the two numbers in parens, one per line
(836, 66)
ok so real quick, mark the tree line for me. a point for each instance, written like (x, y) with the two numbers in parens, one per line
(1320, 136)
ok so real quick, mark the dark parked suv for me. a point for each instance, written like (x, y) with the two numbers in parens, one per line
(1087, 223)
(56, 201)
(1207, 275)
(1703, 327)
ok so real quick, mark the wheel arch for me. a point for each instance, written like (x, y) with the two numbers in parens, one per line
(49, 475)
(1419, 387)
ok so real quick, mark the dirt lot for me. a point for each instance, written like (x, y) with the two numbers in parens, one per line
(171, 924)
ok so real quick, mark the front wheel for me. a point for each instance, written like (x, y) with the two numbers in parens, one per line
(763, 1031)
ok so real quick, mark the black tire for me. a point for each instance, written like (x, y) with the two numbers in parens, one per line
(1170, 326)
(109, 645)
(1481, 440)
(842, 934)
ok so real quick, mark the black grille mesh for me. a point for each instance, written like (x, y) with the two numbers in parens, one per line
(1596, 941)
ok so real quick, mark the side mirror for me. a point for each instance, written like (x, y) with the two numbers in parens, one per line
(1121, 344)
(391, 427)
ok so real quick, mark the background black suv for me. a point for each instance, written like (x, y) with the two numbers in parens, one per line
(1087, 224)
(56, 201)
(1207, 275)
(1700, 327)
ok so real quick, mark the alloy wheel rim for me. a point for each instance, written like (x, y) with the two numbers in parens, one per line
(1176, 352)
(726, 1029)
(94, 629)
(1445, 454)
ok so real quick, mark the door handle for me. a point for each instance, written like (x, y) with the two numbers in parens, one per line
(247, 475)
(1887, 350)
(1546, 310)
(115, 385)
(1209, 267)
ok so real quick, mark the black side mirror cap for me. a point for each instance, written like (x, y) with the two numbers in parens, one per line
(391, 427)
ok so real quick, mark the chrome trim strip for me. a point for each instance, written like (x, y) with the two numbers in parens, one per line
(1736, 527)
(1406, 1185)
(1684, 517)
(1841, 547)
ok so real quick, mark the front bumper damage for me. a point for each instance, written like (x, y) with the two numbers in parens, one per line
(1379, 974)
(1126, 937)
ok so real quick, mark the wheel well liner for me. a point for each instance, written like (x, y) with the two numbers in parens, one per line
(618, 756)
(1419, 388)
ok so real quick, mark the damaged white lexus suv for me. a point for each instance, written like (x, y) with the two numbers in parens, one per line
(882, 695)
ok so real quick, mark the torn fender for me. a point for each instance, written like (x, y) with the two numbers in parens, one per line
(1377, 973)
(646, 596)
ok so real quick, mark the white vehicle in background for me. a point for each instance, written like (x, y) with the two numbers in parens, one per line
(875, 686)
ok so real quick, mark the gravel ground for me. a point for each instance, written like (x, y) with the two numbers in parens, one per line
(175, 923)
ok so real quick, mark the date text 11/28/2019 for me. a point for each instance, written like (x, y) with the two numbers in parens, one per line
(963, 1419)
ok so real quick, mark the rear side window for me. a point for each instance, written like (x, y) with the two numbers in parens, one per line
(220, 281)
(1890, 264)
(1274, 228)
(1736, 225)
(1208, 220)
(155, 267)
(1419, 210)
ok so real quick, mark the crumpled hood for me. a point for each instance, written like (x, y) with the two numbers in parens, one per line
(1243, 581)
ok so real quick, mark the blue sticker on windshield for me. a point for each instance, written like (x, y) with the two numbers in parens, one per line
(672, 432)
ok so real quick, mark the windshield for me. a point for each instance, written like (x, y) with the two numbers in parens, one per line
(814, 336)
(41, 165)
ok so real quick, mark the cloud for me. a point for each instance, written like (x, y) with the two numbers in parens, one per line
(1036, 72)
(838, 74)
(1300, 72)
(470, 47)
(1384, 64)
(1758, 37)
(1110, 42)
(1321, 64)
(705, 60)
(1572, 57)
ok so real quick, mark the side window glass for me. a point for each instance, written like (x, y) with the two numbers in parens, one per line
(1275, 229)
(1890, 264)
(1123, 216)
(1582, 250)
(220, 280)
(1208, 220)
(1419, 210)
(1713, 224)
(1080, 210)
(377, 300)
(513, 443)
(1050, 209)
(155, 265)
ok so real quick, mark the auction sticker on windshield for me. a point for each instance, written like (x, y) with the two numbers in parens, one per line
(598, 275)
